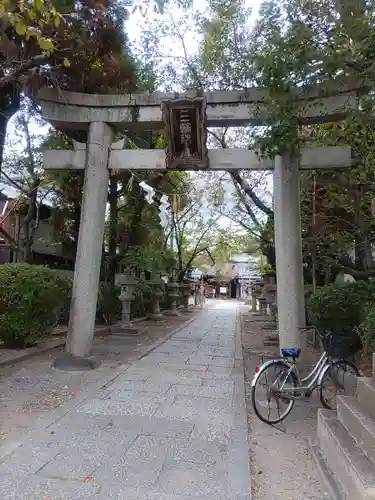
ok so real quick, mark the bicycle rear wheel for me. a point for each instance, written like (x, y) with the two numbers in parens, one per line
(275, 376)
(340, 378)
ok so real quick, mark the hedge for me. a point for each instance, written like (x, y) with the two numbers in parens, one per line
(31, 298)
(366, 330)
(341, 308)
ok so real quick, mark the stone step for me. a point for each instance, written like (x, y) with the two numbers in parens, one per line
(373, 365)
(366, 394)
(359, 424)
(352, 470)
(334, 489)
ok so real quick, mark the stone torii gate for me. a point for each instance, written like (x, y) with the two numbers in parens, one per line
(101, 115)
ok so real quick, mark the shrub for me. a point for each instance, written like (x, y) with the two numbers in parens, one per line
(366, 330)
(108, 306)
(31, 298)
(341, 308)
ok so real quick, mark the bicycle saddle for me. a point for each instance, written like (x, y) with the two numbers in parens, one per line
(291, 352)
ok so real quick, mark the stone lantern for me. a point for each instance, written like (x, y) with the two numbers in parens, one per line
(157, 286)
(261, 315)
(263, 303)
(129, 284)
(254, 295)
(256, 292)
(185, 288)
(173, 294)
(270, 291)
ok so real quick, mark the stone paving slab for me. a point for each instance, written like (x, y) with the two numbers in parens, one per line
(212, 391)
(224, 403)
(38, 488)
(172, 426)
(113, 407)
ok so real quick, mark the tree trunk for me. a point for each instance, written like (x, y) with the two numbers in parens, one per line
(29, 225)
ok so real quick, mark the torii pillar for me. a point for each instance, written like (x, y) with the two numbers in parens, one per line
(288, 250)
(89, 251)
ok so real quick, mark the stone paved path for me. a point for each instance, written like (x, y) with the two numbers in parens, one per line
(33, 387)
(171, 426)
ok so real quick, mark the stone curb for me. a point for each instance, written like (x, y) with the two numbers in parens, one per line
(45, 421)
(12, 357)
(239, 480)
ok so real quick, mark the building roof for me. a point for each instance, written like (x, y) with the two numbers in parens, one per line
(241, 257)
(10, 192)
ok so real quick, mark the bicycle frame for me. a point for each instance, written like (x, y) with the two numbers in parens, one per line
(305, 385)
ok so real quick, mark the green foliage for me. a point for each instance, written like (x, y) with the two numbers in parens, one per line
(340, 308)
(73, 36)
(223, 245)
(28, 20)
(366, 330)
(31, 298)
(294, 44)
(148, 258)
(108, 306)
(343, 199)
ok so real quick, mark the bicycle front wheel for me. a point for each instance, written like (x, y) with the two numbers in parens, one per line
(340, 378)
(269, 403)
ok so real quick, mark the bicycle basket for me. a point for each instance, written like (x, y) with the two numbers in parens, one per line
(341, 346)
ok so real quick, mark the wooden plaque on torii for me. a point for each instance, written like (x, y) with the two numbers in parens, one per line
(185, 122)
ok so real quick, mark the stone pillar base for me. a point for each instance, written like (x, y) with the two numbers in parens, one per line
(68, 362)
(155, 317)
(124, 329)
(170, 312)
(187, 311)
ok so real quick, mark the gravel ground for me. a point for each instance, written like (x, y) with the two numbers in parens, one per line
(281, 463)
(33, 387)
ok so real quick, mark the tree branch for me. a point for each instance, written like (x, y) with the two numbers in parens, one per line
(247, 206)
(34, 62)
(247, 189)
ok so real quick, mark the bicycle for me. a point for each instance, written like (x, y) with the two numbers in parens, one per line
(288, 385)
